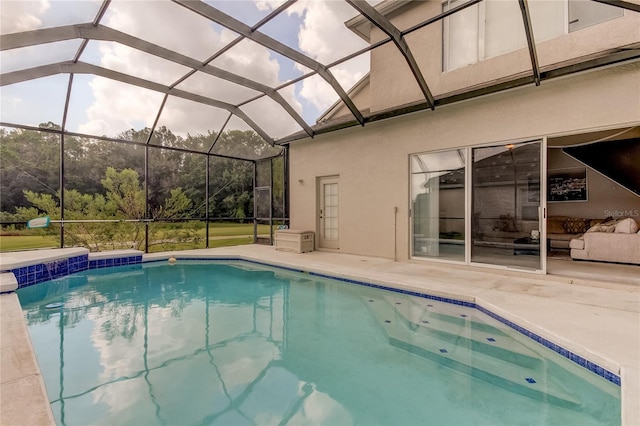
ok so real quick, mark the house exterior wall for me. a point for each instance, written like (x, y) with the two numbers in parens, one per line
(361, 97)
(373, 162)
(392, 84)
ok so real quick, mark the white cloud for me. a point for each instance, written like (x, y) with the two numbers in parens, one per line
(125, 59)
(268, 4)
(26, 15)
(9, 103)
(183, 116)
(320, 408)
(277, 124)
(22, 15)
(288, 93)
(318, 92)
(324, 37)
(251, 60)
(217, 88)
(117, 105)
(41, 54)
(112, 107)
(166, 24)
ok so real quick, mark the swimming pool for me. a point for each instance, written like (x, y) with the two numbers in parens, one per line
(219, 343)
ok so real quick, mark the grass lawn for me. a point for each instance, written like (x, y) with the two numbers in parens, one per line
(220, 235)
(27, 242)
(231, 229)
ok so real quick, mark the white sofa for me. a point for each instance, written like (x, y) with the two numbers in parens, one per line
(617, 241)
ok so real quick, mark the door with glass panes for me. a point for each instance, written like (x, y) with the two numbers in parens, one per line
(328, 213)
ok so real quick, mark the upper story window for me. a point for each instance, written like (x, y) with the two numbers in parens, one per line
(494, 27)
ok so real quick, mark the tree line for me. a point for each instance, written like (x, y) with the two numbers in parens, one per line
(95, 170)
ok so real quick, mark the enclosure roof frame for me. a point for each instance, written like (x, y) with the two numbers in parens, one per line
(378, 16)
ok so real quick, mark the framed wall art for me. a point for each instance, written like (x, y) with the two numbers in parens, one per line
(567, 185)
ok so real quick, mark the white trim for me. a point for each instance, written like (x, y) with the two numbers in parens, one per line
(566, 17)
(467, 206)
(409, 208)
(359, 23)
(482, 28)
(542, 210)
(594, 129)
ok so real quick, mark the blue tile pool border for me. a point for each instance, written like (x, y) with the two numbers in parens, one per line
(115, 261)
(35, 274)
(41, 272)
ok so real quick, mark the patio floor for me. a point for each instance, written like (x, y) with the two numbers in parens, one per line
(592, 309)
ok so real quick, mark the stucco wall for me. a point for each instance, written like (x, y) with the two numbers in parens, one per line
(372, 162)
(392, 83)
(361, 97)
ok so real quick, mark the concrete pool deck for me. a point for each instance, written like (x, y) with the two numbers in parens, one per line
(597, 317)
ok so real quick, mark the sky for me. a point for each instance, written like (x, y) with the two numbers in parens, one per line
(100, 106)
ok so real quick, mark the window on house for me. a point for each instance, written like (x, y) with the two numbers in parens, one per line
(494, 27)
(586, 13)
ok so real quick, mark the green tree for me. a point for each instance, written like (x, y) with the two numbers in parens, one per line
(176, 206)
(85, 163)
(231, 188)
(29, 160)
(277, 187)
(245, 144)
(125, 192)
(123, 199)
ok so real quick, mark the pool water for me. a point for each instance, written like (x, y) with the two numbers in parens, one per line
(204, 342)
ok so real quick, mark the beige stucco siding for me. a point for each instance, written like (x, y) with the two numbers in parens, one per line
(393, 84)
(361, 97)
(372, 162)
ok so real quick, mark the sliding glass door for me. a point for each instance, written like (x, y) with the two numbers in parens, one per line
(480, 205)
(506, 204)
(438, 204)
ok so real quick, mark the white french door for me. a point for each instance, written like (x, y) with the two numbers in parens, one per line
(328, 213)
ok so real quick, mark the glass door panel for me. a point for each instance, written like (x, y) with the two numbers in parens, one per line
(438, 205)
(506, 203)
(329, 236)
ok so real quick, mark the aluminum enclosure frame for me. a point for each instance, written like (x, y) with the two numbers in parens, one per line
(96, 31)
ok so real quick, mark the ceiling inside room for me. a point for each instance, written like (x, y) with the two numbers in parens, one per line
(614, 153)
(99, 68)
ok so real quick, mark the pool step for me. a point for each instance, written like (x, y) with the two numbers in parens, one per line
(452, 313)
(461, 329)
(527, 381)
